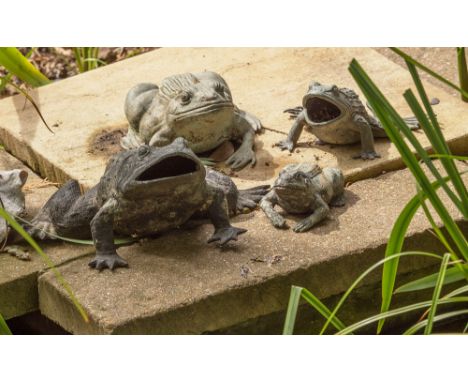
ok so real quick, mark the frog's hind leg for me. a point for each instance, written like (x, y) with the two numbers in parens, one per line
(53, 212)
(249, 199)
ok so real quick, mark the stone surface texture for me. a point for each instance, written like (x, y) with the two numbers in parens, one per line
(18, 279)
(263, 81)
(179, 284)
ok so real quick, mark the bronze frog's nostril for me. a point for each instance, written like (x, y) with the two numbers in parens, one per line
(23, 176)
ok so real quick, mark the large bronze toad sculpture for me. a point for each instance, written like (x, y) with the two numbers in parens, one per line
(336, 116)
(197, 107)
(143, 192)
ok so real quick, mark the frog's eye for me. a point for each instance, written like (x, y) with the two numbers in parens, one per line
(335, 89)
(219, 87)
(185, 97)
(143, 151)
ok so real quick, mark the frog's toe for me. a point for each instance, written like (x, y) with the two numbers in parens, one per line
(223, 235)
(110, 261)
(367, 155)
(302, 226)
(285, 145)
(240, 159)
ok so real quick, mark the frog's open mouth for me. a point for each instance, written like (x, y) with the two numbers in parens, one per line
(169, 167)
(319, 110)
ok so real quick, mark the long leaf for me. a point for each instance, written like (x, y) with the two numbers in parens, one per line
(389, 118)
(13, 223)
(436, 294)
(452, 275)
(462, 72)
(291, 312)
(407, 57)
(365, 273)
(322, 309)
(396, 312)
(36, 107)
(4, 329)
(16, 63)
(414, 329)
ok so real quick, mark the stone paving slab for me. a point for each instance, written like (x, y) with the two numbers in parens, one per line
(18, 279)
(264, 81)
(179, 284)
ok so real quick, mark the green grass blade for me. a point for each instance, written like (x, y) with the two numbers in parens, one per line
(291, 312)
(439, 148)
(4, 329)
(13, 223)
(365, 273)
(452, 275)
(396, 312)
(416, 63)
(16, 63)
(322, 309)
(415, 328)
(434, 133)
(393, 124)
(36, 107)
(462, 72)
(436, 294)
(466, 328)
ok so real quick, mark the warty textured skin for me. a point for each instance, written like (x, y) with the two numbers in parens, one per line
(143, 192)
(304, 188)
(195, 106)
(336, 116)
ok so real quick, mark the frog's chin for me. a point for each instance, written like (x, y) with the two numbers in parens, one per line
(201, 110)
(322, 110)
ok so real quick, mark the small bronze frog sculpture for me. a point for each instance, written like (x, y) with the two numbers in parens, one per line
(197, 107)
(143, 192)
(336, 116)
(304, 188)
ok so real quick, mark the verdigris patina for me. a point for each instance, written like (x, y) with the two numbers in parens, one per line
(304, 188)
(144, 191)
(336, 116)
(197, 107)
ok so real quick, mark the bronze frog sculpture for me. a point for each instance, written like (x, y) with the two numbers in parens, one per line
(195, 106)
(336, 116)
(304, 188)
(144, 191)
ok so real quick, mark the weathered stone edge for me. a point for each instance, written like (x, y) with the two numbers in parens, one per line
(224, 310)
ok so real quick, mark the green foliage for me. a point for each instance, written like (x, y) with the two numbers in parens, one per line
(17, 227)
(87, 58)
(17, 64)
(453, 263)
(4, 329)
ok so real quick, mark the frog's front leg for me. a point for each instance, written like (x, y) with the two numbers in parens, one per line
(224, 231)
(103, 237)
(246, 125)
(367, 139)
(290, 142)
(321, 211)
(267, 204)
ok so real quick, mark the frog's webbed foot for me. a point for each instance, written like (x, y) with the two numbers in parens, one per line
(367, 155)
(225, 234)
(41, 230)
(285, 145)
(278, 221)
(304, 225)
(17, 251)
(251, 119)
(107, 260)
(242, 158)
(248, 199)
